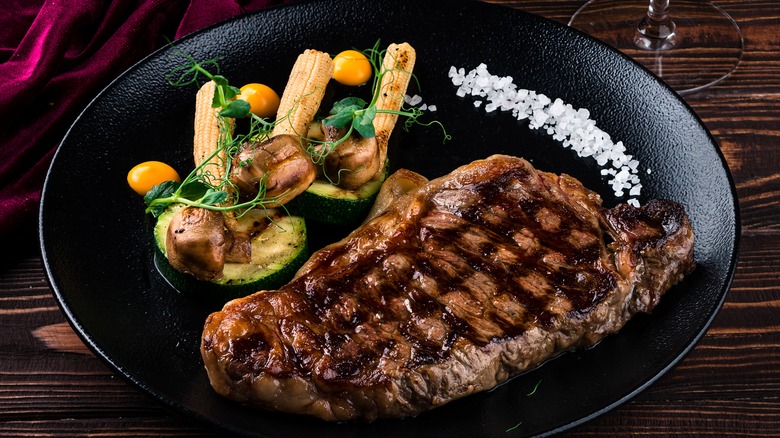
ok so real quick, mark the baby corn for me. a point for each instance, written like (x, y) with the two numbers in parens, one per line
(303, 94)
(208, 135)
(397, 65)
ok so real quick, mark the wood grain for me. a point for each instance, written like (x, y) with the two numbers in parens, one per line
(729, 385)
(60, 337)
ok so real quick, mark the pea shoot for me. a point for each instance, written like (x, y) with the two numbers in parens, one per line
(358, 115)
(201, 189)
(198, 189)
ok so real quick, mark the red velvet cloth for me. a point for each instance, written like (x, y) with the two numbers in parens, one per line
(55, 56)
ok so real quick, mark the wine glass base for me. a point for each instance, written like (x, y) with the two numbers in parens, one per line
(705, 48)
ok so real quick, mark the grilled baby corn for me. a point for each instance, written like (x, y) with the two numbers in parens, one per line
(398, 64)
(303, 94)
(208, 135)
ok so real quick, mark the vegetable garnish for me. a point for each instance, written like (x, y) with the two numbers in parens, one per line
(143, 177)
(351, 67)
(201, 189)
(514, 427)
(262, 99)
(358, 115)
(533, 391)
(198, 189)
(353, 110)
(225, 94)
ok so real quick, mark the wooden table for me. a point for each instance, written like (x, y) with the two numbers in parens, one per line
(729, 385)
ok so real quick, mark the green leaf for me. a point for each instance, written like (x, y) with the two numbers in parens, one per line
(165, 189)
(237, 109)
(343, 112)
(220, 80)
(213, 197)
(340, 120)
(364, 123)
(348, 104)
(216, 102)
(194, 190)
(157, 210)
(230, 91)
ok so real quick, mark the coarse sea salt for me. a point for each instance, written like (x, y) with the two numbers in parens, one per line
(572, 127)
(417, 100)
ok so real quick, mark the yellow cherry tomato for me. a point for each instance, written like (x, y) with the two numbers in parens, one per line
(262, 99)
(351, 67)
(149, 174)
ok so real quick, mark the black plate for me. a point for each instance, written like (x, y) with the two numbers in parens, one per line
(96, 241)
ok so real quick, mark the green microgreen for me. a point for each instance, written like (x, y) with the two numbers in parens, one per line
(514, 427)
(236, 109)
(533, 391)
(353, 111)
(200, 188)
(196, 190)
(358, 115)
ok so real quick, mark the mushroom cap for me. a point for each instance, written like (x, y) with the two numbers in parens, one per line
(280, 163)
(354, 162)
(197, 241)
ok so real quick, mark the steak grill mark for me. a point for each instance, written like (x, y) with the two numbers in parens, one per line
(458, 285)
(446, 250)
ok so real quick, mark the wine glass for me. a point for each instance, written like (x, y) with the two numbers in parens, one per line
(690, 44)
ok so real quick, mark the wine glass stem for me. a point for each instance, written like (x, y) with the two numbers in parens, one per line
(656, 31)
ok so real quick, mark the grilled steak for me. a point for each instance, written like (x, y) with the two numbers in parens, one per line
(458, 285)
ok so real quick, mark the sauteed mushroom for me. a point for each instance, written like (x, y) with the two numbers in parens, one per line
(353, 162)
(280, 162)
(197, 242)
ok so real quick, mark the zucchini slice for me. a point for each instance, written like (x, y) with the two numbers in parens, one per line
(278, 250)
(328, 204)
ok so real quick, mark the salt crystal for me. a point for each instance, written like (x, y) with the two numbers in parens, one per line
(572, 127)
(539, 116)
(557, 108)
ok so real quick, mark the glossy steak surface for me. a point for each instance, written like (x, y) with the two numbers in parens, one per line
(458, 285)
